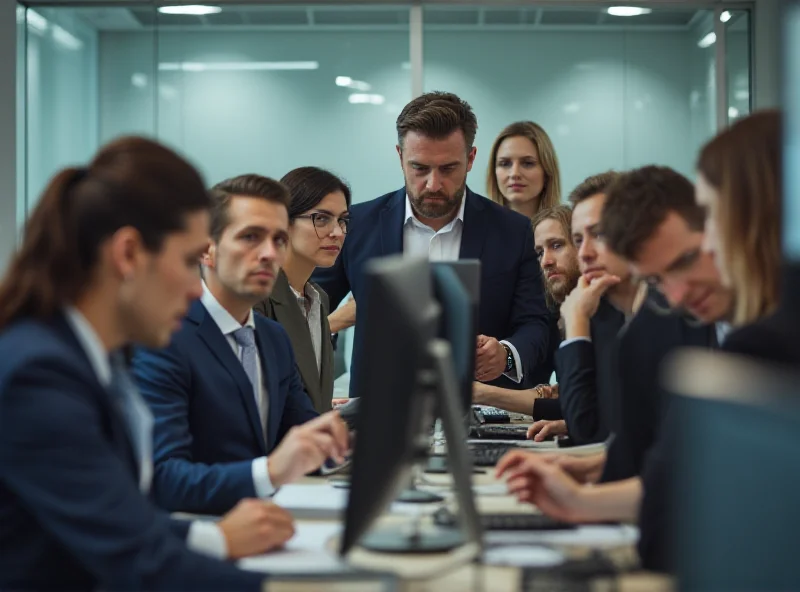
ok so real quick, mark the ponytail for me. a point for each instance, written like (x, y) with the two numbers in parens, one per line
(132, 182)
(45, 271)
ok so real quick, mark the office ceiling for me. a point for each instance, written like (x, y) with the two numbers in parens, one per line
(364, 17)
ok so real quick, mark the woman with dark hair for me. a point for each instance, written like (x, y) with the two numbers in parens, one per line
(318, 218)
(110, 257)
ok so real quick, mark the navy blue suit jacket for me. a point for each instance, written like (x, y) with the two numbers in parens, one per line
(207, 429)
(512, 296)
(71, 511)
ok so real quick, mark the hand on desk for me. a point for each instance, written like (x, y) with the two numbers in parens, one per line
(490, 359)
(531, 478)
(543, 429)
(254, 527)
(306, 447)
(584, 469)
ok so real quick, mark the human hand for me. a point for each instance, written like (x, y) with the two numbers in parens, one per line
(254, 527)
(305, 447)
(543, 429)
(490, 359)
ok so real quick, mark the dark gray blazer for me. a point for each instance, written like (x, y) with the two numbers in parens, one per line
(282, 307)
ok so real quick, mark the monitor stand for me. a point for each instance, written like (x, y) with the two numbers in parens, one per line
(412, 495)
(405, 539)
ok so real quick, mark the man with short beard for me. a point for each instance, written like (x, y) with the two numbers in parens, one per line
(558, 259)
(437, 217)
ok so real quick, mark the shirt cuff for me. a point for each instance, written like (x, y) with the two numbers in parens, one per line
(261, 481)
(206, 537)
(566, 342)
(516, 373)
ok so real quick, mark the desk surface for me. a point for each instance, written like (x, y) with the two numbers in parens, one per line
(454, 571)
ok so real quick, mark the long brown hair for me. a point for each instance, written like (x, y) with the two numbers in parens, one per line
(743, 163)
(551, 196)
(131, 182)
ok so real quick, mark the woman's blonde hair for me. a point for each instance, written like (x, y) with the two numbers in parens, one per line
(551, 194)
(743, 164)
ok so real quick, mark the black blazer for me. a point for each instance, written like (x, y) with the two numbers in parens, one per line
(282, 307)
(773, 339)
(586, 378)
(641, 347)
(72, 514)
(512, 303)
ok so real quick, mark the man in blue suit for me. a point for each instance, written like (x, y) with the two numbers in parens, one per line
(436, 216)
(232, 419)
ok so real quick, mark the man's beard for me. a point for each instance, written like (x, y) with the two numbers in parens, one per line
(562, 288)
(436, 210)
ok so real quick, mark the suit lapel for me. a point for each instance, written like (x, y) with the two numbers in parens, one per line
(288, 314)
(473, 235)
(209, 333)
(391, 224)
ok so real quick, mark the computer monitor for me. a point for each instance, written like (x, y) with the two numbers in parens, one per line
(457, 286)
(736, 478)
(408, 373)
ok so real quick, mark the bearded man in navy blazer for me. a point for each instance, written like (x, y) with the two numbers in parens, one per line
(232, 419)
(436, 215)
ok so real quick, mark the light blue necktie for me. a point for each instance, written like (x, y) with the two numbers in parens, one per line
(248, 354)
(137, 417)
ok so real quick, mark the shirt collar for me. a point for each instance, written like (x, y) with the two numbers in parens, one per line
(310, 292)
(91, 344)
(224, 320)
(410, 217)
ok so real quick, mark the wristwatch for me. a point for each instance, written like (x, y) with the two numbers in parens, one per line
(510, 363)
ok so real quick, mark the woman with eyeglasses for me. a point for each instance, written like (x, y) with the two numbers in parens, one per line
(318, 217)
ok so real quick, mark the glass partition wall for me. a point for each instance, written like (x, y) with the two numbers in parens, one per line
(266, 88)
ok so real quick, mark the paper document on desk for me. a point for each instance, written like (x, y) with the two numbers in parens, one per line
(594, 535)
(306, 553)
(309, 502)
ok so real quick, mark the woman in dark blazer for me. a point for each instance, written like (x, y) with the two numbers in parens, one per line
(109, 258)
(318, 216)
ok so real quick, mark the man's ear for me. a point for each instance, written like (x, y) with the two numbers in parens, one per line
(209, 258)
(471, 157)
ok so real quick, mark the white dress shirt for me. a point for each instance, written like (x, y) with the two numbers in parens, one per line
(228, 325)
(311, 307)
(203, 537)
(420, 240)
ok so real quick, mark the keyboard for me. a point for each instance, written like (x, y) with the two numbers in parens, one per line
(487, 455)
(500, 432)
(444, 517)
(575, 575)
(490, 415)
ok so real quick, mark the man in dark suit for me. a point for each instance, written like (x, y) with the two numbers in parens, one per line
(436, 216)
(231, 417)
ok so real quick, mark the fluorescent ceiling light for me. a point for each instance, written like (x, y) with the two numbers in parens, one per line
(66, 39)
(733, 112)
(628, 10)
(36, 21)
(365, 99)
(194, 9)
(348, 82)
(236, 66)
(707, 41)
(725, 16)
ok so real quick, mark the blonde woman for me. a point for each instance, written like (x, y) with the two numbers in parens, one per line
(523, 172)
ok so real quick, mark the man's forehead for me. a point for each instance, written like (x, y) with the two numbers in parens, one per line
(548, 230)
